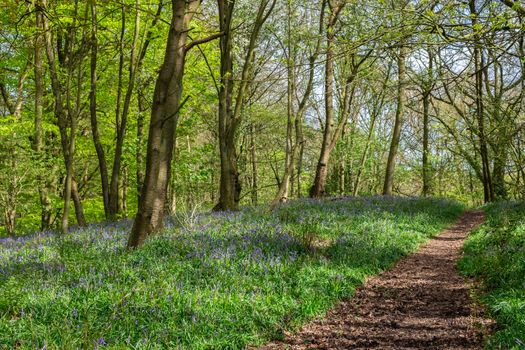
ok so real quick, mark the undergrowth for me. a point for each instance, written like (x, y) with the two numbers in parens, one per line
(495, 255)
(221, 281)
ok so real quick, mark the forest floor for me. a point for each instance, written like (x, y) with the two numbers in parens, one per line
(421, 303)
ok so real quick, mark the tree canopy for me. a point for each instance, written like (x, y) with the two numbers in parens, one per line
(113, 108)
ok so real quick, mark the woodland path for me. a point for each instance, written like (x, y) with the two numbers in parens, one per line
(420, 303)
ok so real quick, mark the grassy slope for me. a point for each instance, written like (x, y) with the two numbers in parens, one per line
(217, 281)
(495, 253)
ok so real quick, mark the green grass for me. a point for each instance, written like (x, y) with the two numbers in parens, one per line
(214, 281)
(495, 254)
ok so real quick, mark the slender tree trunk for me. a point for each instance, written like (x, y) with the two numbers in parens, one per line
(230, 114)
(377, 109)
(122, 117)
(93, 112)
(123, 192)
(43, 190)
(400, 111)
(282, 193)
(488, 190)
(364, 156)
(68, 143)
(500, 189)
(11, 200)
(426, 165)
(142, 105)
(139, 156)
(289, 149)
(501, 146)
(300, 161)
(10, 221)
(321, 173)
(77, 202)
(69, 152)
(342, 174)
(253, 153)
(294, 151)
(163, 123)
(426, 124)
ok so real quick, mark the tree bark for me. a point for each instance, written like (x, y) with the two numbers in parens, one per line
(294, 150)
(253, 156)
(163, 123)
(139, 156)
(122, 117)
(110, 184)
(62, 110)
(38, 143)
(376, 111)
(400, 111)
(426, 165)
(488, 190)
(282, 193)
(428, 85)
(321, 173)
(230, 115)
(77, 202)
(93, 111)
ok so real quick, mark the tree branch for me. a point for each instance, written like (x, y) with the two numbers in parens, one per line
(515, 5)
(203, 41)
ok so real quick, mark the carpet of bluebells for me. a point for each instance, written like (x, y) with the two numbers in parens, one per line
(210, 281)
(495, 254)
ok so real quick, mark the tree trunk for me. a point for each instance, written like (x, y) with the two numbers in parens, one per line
(426, 168)
(93, 112)
(122, 118)
(77, 201)
(400, 111)
(377, 109)
(300, 137)
(321, 173)
(68, 155)
(43, 190)
(11, 196)
(342, 175)
(426, 165)
(123, 193)
(229, 186)
(229, 115)
(294, 151)
(139, 156)
(64, 117)
(290, 149)
(142, 105)
(498, 173)
(488, 190)
(163, 123)
(10, 221)
(253, 153)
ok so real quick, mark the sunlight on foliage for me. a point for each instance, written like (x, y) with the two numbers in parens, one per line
(495, 253)
(228, 280)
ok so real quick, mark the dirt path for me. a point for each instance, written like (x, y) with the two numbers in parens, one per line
(421, 303)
